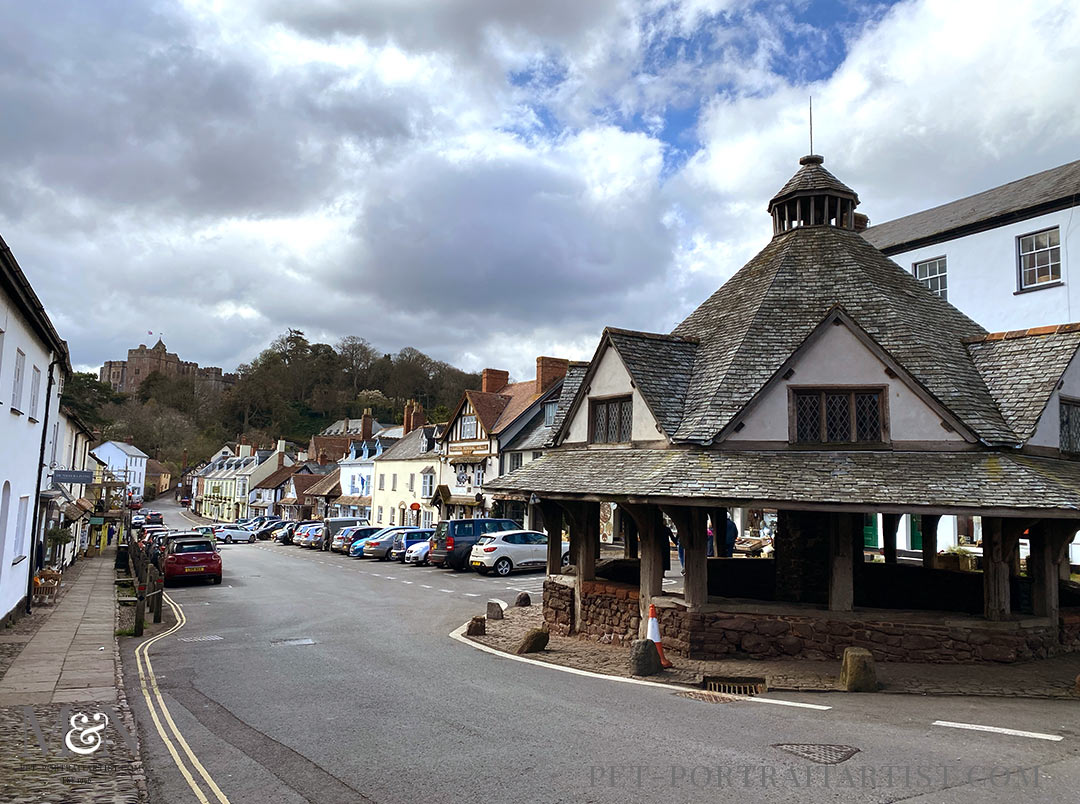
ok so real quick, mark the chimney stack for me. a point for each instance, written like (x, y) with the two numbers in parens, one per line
(418, 417)
(366, 425)
(345, 429)
(493, 380)
(406, 419)
(549, 370)
(129, 440)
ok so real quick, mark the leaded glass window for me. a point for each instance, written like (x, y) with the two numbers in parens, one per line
(838, 417)
(612, 420)
(1070, 426)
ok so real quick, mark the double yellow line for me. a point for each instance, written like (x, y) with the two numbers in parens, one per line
(172, 736)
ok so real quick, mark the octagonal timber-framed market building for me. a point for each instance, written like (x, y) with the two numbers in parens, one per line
(824, 381)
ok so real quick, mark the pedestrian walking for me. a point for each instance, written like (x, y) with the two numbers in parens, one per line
(110, 534)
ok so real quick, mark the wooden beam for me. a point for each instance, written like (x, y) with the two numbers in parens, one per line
(890, 523)
(553, 525)
(929, 539)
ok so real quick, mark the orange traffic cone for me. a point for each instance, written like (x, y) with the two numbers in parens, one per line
(654, 634)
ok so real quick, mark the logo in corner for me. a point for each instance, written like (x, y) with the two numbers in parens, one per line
(89, 737)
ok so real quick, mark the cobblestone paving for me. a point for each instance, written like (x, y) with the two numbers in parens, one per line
(1048, 678)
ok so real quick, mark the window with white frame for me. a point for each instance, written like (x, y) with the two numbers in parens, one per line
(478, 476)
(515, 461)
(549, 413)
(412, 482)
(378, 516)
(1040, 258)
(428, 485)
(35, 392)
(1070, 425)
(22, 529)
(393, 482)
(382, 482)
(17, 384)
(931, 273)
(468, 427)
(537, 455)
(427, 519)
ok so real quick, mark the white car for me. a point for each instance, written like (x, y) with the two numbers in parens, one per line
(511, 550)
(231, 532)
(418, 553)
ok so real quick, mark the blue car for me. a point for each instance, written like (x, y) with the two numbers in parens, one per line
(357, 549)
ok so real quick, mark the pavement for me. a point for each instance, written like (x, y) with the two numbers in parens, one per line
(311, 677)
(56, 693)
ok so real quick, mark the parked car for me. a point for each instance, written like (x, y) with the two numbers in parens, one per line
(418, 553)
(380, 545)
(312, 536)
(231, 532)
(154, 518)
(191, 557)
(346, 536)
(406, 539)
(160, 544)
(185, 502)
(266, 530)
(454, 539)
(358, 545)
(334, 524)
(138, 521)
(511, 550)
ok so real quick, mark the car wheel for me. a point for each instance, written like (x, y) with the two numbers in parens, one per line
(251, 539)
(503, 566)
(228, 540)
(217, 579)
(566, 559)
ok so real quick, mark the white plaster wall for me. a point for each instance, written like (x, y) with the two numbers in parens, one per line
(983, 274)
(1048, 430)
(20, 442)
(612, 379)
(838, 357)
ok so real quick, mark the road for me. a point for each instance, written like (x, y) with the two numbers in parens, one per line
(323, 679)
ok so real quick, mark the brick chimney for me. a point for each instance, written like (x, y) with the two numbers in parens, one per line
(418, 417)
(366, 424)
(345, 429)
(406, 419)
(493, 380)
(129, 440)
(280, 453)
(549, 370)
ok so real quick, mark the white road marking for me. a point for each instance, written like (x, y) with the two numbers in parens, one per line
(448, 591)
(377, 575)
(998, 730)
(390, 578)
(459, 634)
(425, 586)
(471, 594)
(407, 582)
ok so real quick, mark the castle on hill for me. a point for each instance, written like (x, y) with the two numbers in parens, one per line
(127, 375)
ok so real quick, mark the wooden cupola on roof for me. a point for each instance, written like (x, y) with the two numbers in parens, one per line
(813, 197)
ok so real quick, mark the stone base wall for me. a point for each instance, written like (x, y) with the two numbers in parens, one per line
(558, 608)
(611, 615)
(610, 612)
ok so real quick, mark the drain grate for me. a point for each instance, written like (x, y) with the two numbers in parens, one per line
(821, 754)
(209, 638)
(735, 685)
(290, 642)
(707, 697)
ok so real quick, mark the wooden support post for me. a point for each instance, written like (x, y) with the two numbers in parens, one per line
(553, 526)
(696, 582)
(843, 531)
(929, 539)
(654, 546)
(718, 517)
(1000, 539)
(890, 523)
(1049, 549)
(617, 527)
(630, 535)
(159, 588)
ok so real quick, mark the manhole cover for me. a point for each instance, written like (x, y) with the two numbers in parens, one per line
(209, 638)
(821, 754)
(287, 642)
(707, 697)
(735, 685)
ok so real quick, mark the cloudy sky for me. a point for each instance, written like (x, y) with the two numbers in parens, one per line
(485, 180)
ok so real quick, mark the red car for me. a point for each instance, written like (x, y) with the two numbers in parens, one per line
(192, 557)
(135, 505)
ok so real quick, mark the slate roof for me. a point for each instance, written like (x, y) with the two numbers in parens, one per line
(1022, 370)
(520, 395)
(751, 325)
(355, 426)
(488, 407)
(128, 449)
(661, 367)
(575, 374)
(1033, 195)
(329, 485)
(414, 445)
(959, 480)
(533, 436)
(812, 177)
(304, 482)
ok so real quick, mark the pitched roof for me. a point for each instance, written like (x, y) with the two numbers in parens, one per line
(276, 478)
(304, 482)
(354, 427)
(414, 445)
(519, 396)
(812, 177)
(329, 485)
(1037, 194)
(156, 467)
(661, 367)
(575, 374)
(751, 325)
(965, 480)
(1022, 370)
(488, 407)
(128, 449)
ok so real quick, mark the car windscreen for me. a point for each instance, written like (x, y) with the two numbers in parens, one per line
(192, 547)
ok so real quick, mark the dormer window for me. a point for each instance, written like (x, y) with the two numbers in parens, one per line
(549, 413)
(468, 427)
(611, 420)
(837, 416)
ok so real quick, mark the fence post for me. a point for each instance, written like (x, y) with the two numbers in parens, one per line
(140, 607)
